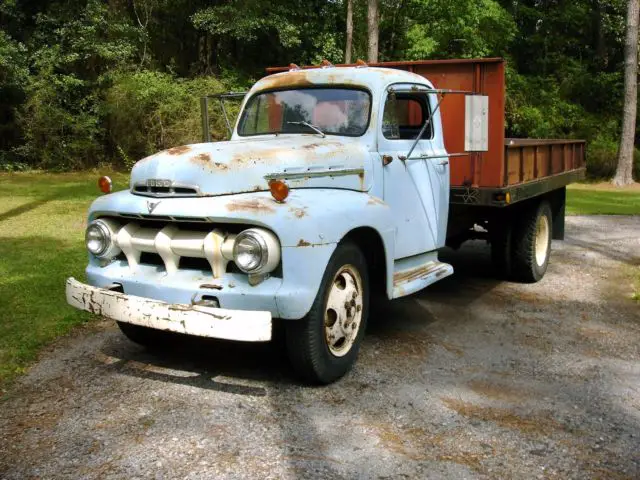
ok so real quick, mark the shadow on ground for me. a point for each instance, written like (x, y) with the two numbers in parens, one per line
(206, 359)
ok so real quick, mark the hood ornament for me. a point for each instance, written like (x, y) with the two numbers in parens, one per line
(151, 206)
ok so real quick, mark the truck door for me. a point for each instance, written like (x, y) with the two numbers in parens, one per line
(417, 190)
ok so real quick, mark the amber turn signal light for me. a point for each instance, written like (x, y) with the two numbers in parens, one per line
(104, 184)
(279, 190)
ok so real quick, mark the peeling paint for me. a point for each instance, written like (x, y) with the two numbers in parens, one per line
(201, 158)
(178, 150)
(411, 274)
(255, 205)
(211, 286)
(289, 79)
(303, 243)
(298, 212)
(243, 325)
(375, 201)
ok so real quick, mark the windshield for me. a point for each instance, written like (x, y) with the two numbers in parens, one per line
(334, 111)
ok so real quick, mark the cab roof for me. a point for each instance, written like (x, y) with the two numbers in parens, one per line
(372, 78)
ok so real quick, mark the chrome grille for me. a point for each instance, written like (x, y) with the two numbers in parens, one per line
(167, 189)
(175, 245)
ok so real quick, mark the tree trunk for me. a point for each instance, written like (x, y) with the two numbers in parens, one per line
(372, 23)
(348, 48)
(624, 172)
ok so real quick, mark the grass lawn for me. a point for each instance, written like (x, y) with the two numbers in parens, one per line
(42, 222)
(602, 199)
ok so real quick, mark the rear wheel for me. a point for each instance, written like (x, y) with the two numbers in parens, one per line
(532, 244)
(324, 345)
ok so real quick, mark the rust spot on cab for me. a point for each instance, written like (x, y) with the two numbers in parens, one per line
(289, 79)
(375, 201)
(310, 146)
(251, 157)
(412, 274)
(178, 150)
(298, 212)
(255, 205)
(203, 158)
(303, 243)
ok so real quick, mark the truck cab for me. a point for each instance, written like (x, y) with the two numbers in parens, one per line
(333, 187)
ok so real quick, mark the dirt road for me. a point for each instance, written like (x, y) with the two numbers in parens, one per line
(472, 378)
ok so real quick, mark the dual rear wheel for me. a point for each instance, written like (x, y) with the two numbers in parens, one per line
(520, 249)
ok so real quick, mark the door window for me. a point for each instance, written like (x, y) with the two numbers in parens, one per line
(404, 115)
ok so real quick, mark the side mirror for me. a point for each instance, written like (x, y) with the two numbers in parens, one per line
(476, 131)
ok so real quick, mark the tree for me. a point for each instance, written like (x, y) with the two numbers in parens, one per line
(348, 47)
(372, 24)
(624, 172)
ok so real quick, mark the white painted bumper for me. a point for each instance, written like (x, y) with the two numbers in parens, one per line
(242, 325)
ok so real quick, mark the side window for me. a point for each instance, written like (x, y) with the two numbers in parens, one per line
(404, 115)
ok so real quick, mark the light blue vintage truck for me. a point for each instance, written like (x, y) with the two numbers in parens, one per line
(333, 187)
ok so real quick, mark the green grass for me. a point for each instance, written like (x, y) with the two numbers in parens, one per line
(42, 222)
(602, 199)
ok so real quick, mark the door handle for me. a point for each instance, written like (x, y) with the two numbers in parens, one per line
(444, 162)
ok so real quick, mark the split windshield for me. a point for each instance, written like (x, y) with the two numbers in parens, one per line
(334, 111)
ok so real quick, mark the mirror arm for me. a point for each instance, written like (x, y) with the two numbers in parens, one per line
(424, 127)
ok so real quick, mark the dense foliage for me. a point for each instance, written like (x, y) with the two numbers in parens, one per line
(90, 82)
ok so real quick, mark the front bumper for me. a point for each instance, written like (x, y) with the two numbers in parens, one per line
(242, 325)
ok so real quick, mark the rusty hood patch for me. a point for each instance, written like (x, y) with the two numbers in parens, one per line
(238, 166)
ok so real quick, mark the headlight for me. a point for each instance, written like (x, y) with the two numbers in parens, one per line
(256, 251)
(99, 238)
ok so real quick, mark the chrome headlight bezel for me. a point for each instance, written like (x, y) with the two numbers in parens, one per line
(269, 250)
(108, 229)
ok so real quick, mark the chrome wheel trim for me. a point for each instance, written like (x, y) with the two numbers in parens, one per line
(343, 311)
(542, 240)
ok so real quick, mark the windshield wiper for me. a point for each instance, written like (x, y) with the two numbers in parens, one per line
(310, 125)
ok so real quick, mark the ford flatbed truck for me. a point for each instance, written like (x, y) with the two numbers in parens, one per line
(337, 183)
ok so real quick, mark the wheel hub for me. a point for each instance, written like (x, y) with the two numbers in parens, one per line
(343, 313)
(542, 240)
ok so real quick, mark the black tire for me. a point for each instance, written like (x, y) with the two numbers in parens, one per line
(526, 264)
(500, 239)
(147, 337)
(307, 345)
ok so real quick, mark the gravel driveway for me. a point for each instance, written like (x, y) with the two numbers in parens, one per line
(471, 378)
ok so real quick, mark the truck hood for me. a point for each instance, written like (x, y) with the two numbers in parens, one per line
(237, 166)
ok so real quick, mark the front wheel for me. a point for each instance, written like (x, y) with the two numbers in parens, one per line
(324, 345)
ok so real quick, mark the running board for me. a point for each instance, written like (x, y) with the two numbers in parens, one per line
(410, 280)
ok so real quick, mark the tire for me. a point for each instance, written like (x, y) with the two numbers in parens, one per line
(531, 244)
(147, 337)
(323, 346)
(500, 239)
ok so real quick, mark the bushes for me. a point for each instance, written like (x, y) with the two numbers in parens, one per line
(149, 111)
(602, 158)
